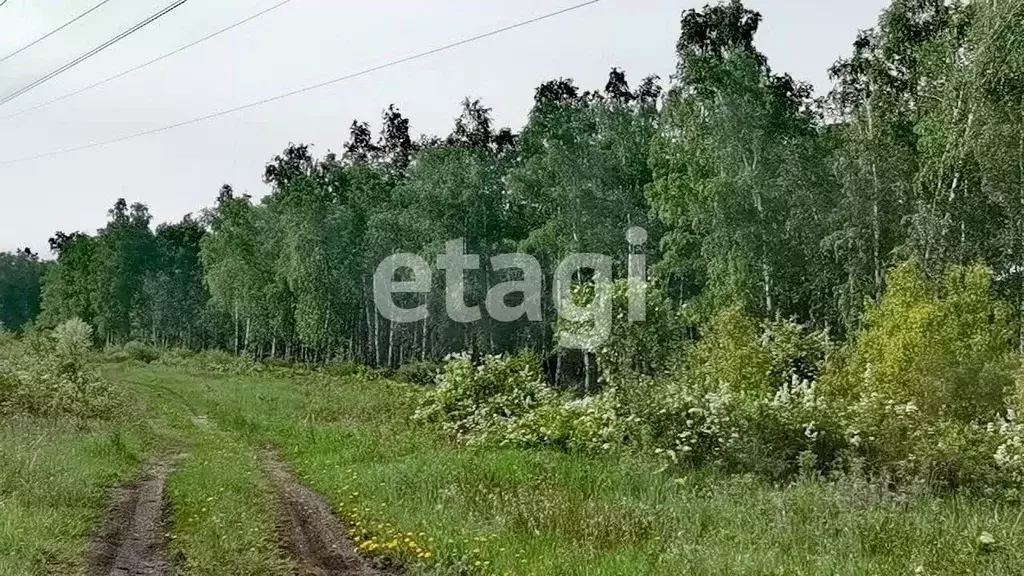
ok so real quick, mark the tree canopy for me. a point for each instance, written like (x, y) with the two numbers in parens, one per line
(753, 192)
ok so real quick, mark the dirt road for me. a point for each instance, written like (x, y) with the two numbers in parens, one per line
(132, 541)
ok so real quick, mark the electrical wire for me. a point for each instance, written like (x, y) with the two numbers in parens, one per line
(94, 51)
(306, 89)
(52, 32)
(147, 63)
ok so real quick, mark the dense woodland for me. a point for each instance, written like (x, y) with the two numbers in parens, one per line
(754, 193)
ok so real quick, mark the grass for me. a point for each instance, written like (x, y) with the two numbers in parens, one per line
(221, 506)
(55, 480)
(443, 509)
(411, 496)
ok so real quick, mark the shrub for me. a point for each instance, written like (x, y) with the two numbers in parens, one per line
(589, 424)
(944, 347)
(481, 402)
(1009, 455)
(752, 359)
(216, 361)
(6, 337)
(922, 396)
(72, 339)
(793, 431)
(731, 355)
(421, 373)
(54, 380)
(697, 424)
(141, 352)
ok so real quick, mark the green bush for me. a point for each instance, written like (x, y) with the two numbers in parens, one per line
(1009, 455)
(422, 373)
(141, 352)
(73, 338)
(931, 367)
(944, 347)
(921, 396)
(47, 375)
(479, 403)
(215, 361)
(754, 359)
(646, 348)
(731, 354)
(6, 337)
(591, 424)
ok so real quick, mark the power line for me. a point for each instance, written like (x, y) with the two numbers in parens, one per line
(94, 51)
(52, 32)
(310, 88)
(145, 64)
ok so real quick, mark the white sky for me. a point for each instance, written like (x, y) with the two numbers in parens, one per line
(305, 42)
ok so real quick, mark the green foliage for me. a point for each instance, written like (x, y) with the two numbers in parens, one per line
(73, 339)
(141, 352)
(20, 274)
(731, 354)
(214, 361)
(765, 399)
(480, 402)
(50, 377)
(775, 223)
(944, 346)
(648, 347)
(134, 351)
(589, 425)
(422, 373)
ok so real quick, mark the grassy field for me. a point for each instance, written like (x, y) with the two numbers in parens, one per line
(55, 481)
(441, 509)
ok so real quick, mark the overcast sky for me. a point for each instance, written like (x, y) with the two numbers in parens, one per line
(305, 42)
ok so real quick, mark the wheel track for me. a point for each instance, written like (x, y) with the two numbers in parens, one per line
(310, 531)
(132, 541)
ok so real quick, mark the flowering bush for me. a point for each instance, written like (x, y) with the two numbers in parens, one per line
(701, 423)
(1009, 456)
(922, 395)
(589, 424)
(479, 402)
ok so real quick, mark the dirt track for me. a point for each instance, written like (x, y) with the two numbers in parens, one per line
(132, 539)
(310, 531)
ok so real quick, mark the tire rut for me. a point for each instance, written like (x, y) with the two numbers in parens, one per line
(132, 540)
(310, 531)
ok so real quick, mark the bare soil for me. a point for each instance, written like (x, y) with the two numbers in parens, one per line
(132, 540)
(310, 531)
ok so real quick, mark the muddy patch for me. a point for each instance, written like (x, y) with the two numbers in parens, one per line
(132, 540)
(310, 531)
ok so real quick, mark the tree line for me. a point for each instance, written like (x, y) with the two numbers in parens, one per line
(753, 192)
